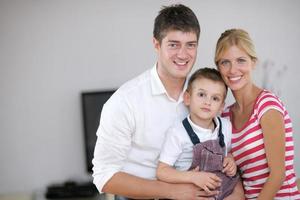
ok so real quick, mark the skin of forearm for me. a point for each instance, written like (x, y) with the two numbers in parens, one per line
(127, 185)
(272, 122)
(171, 175)
(272, 185)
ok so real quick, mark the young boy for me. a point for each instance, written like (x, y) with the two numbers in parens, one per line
(201, 142)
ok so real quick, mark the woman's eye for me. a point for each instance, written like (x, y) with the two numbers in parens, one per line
(224, 63)
(241, 61)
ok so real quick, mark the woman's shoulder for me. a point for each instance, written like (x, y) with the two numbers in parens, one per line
(267, 97)
(268, 100)
(266, 94)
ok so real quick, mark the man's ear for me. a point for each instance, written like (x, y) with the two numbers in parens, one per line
(186, 98)
(156, 43)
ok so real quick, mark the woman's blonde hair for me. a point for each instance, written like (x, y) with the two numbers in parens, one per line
(235, 37)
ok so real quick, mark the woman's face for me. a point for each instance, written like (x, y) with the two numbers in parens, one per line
(235, 66)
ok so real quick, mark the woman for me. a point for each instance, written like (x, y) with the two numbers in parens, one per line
(262, 141)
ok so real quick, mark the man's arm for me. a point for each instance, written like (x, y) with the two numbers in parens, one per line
(205, 180)
(127, 185)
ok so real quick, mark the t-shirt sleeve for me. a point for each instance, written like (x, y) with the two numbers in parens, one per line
(268, 102)
(171, 148)
(227, 132)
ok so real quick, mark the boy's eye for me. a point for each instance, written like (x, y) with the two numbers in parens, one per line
(216, 99)
(201, 94)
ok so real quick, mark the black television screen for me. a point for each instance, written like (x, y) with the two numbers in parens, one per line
(92, 103)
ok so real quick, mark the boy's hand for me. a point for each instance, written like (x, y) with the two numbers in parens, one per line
(229, 166)
(206, 180)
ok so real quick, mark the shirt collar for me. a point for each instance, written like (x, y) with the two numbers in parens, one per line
(157, 86)
(199, 129)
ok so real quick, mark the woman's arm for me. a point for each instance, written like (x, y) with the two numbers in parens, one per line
(272, 124)
(205, 180)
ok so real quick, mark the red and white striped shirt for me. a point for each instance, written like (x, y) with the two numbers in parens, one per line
(249, 153)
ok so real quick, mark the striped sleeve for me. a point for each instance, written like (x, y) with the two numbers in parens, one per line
(266, 102)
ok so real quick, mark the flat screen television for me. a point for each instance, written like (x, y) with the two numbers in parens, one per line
(92, 103)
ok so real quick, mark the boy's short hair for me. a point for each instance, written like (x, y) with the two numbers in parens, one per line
(175, 17)
(208, 73)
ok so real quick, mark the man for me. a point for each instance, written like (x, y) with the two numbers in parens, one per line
(134, 120)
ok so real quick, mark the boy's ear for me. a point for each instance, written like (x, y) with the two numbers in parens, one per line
(186, 98)
(222, 108)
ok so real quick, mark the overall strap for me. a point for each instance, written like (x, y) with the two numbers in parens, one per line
(220, 134)
(194, 138)
(190, 131)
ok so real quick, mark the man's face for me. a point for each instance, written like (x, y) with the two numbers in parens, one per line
(176, 54)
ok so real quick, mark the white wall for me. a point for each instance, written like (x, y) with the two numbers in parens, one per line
(52, 50)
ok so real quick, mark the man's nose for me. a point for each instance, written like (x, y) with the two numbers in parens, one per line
(182, 53)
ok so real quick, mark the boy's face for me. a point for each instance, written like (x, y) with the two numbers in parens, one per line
(205, 99)
(176, 54)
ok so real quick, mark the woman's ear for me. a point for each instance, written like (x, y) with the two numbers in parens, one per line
(186, 98)
(254, 63)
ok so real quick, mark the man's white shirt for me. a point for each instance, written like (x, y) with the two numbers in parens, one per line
(132, 128)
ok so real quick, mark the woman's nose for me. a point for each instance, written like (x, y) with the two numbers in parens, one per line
(233, 67)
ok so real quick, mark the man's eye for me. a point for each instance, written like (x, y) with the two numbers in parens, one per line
(172, 45)
(192, 45)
